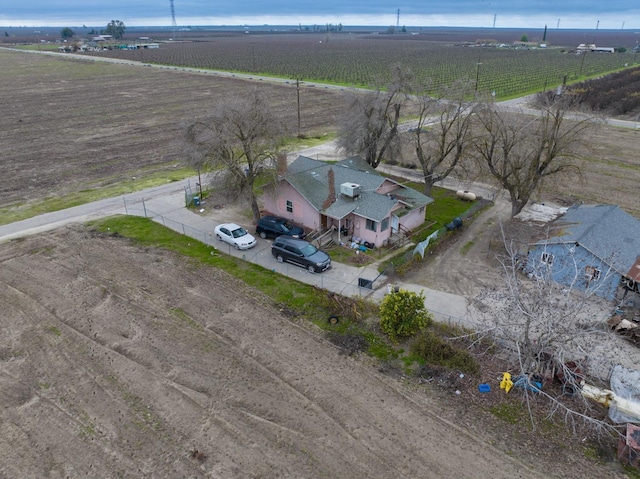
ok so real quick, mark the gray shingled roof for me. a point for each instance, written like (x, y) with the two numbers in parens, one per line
(605, 230)
(311, 179)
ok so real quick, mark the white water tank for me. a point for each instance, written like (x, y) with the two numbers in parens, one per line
(466, 195)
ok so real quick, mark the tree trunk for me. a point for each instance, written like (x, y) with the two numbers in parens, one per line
(255, 209)
(428, 186)
(517, 204)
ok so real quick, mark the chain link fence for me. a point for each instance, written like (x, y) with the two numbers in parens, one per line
(346, 285)
(344, 280)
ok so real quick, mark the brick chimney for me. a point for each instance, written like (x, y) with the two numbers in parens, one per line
(331, 197)
(281, 163)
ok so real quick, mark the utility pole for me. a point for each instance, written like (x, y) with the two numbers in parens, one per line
(298, 93)
(253, 58)
(174, 25)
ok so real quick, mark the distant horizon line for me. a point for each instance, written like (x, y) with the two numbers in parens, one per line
(297, 27)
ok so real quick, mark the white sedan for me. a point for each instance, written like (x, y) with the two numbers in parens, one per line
(235, 235)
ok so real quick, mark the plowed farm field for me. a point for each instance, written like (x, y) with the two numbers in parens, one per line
(118, 361)
(70, 125)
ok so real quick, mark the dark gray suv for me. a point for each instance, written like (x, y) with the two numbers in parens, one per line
(274, 226)
(301, 253)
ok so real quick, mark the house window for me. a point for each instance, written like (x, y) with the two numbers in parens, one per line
(547, 258)
(385, 224)
(289, 206)
(591, 273)
(372, 225)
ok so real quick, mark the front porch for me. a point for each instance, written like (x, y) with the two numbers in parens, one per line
(328, 237)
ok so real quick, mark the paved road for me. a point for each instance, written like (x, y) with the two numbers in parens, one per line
(515, 104)
(82, 213)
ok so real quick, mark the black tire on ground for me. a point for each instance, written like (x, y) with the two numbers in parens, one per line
(280, 258)
(311, 269)
(568, 390)
(263, 235)
(333, 320)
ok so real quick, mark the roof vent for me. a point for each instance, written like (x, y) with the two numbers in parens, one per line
(350, 189)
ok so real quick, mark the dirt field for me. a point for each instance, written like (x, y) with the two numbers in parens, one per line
(110, 370)
(71, 125)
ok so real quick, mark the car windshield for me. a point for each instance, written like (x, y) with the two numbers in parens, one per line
(238, 233)
(309, 250)
(286, 226)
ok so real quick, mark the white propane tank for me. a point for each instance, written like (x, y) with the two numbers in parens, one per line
(466, 195)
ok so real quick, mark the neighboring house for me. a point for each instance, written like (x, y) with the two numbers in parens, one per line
(348, 196)
(590, 246)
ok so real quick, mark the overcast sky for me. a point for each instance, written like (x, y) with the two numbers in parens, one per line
(611, 14)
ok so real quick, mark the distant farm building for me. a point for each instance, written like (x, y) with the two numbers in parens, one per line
(591, 47)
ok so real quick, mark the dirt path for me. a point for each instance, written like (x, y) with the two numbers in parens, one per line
(121, 362)
(465, 266)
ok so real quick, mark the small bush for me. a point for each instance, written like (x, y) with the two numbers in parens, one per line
(403, 314)
(435, 350)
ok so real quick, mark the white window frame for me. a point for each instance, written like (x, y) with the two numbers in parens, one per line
(371, 225)
(289, 206)
(546, 258)
(591, 273)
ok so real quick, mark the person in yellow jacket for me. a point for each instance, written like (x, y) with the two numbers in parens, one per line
(506, 382)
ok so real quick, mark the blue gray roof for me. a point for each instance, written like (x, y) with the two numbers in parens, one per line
(606, 231)
(311, 179)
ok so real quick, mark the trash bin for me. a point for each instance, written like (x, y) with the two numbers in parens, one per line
(365, 283)
(196, 200)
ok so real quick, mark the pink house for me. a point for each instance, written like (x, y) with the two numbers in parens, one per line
(348, 196)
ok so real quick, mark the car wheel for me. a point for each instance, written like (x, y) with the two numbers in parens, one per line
(219, 237)
(263, 235)
(237, 246)
(280, 258)
(311, 268)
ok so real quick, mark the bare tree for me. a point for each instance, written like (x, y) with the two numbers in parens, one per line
(550, 331)
(521, 155)
(369, 126)
(442, 137)
(240, 138)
